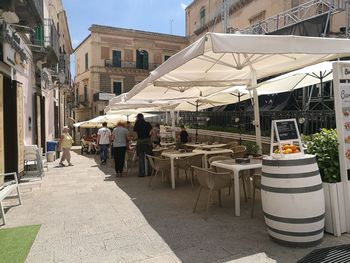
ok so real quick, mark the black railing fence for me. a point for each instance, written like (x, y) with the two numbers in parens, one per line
(309, 122)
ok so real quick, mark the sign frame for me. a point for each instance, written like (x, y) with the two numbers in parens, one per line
(275, 133)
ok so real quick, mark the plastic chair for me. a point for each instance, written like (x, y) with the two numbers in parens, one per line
(211, 180)
(32, 156)
(159, 165)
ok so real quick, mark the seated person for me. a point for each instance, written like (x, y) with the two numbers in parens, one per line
(184, 137)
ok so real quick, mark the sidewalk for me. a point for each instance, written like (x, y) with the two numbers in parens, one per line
(86, 215)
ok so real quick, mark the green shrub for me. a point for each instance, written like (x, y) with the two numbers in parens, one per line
(325, 146)
(252, 147)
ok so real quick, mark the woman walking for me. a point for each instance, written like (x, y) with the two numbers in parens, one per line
(66, 144)
(121, 137)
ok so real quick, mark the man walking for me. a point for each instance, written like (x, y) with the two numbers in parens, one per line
(103, 141)
(144, 143)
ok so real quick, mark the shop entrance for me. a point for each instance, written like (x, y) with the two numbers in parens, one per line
(10, 125)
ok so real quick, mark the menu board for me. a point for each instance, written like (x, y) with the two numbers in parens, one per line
(345, 119)
(287, 130)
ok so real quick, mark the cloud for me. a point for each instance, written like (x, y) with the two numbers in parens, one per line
(183, 6)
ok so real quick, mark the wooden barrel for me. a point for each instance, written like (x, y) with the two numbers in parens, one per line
(293, 200)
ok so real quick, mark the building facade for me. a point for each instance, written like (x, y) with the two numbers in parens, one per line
(31, 74)
(110, 61)
(299, 17)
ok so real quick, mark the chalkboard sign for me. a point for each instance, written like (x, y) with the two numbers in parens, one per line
(287, 130)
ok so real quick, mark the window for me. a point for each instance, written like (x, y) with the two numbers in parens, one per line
(117, 87)
(85, 93)
(77, 95)
(141, 59)
(166, 58)
(116, 58)
(86, 61)
(202, 16)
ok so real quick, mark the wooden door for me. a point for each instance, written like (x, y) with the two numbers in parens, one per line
(20, 135)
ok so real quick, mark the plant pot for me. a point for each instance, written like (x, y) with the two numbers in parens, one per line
(335, 221)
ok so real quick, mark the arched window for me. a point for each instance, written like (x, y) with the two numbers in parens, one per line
(141, 59)
(202, 16)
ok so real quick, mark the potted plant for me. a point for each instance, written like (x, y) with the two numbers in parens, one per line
(252, 148)
(325, 146)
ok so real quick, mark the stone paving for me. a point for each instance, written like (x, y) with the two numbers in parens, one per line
(88, 215)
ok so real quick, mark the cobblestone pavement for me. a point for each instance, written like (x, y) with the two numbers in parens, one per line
(87, 215)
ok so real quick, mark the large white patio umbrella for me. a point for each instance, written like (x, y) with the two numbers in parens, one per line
(111, 119)
(307, 76)
(218, 61)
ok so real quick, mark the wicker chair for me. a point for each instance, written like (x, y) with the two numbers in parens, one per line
(159, 165)
(186, 164)
(230, 145)
(239, 151)
(256, 178)
(211, 180)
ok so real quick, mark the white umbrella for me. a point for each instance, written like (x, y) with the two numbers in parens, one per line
(218, 61)
(297, 79)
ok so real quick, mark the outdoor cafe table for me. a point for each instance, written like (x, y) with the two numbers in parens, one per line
(167, 144)
(205, 146)
(236, 168)
(208, 153)
(172, 155)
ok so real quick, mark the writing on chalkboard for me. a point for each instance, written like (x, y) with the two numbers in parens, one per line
(287, 130)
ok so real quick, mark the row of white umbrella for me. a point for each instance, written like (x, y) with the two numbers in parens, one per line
(199, 75)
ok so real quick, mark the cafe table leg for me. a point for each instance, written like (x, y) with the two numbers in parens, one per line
(172, 168)
(237, 194)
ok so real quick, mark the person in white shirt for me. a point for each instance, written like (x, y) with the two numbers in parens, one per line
(121, 139)
(103, 141)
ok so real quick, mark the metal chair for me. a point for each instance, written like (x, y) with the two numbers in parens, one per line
(211, 180)
(32, 156)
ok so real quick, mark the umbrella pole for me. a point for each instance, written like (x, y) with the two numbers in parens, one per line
(256, 112)
(197, 121)
(239, 116)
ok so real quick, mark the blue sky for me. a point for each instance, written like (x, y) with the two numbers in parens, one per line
(148, 15)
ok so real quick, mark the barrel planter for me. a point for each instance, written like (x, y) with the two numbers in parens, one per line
(293, 200)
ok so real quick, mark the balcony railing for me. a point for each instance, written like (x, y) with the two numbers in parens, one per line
(46, 36)
(128, 64)
(102, 96)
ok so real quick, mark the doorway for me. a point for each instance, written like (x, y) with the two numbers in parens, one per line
(10, 129)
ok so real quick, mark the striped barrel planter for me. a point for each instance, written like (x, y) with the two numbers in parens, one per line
(293, 200)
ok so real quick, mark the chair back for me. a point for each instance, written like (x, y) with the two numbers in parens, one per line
(239, 151)
(151, 161)
(30, 153)
(196, 160)
(232, 144)
(212, 180)
(218, 158)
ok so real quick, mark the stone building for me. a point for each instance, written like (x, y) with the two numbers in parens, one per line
(111, 60)
(298, 17)
(34, 68)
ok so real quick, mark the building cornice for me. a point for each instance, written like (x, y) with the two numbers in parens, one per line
(137, 33)
(81, 43)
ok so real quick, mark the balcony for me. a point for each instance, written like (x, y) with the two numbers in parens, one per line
(129, 65)
(46, 42)
(29, 12)
(102, 96)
